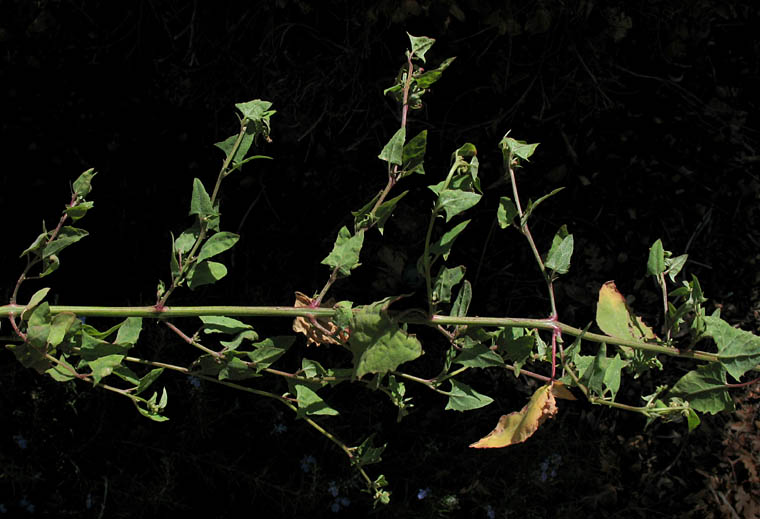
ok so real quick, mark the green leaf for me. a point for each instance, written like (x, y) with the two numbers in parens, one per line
(455, 201)
(66, 236)
(345, 253)
(463, 398)
(506, 213)
(413, 155)
(385, 210)
(39, 326)
(377, 343)
(217, 244)
(533, 205)
(35, 300)
(445, 281)
(205, 273)
(462, 302)
(83, 184)
(38, 244)
(738, 351)
(420, 45)
(233, 368)
(612, 374)
(656, 260)
(310, 403)
(258, 114)
(675, 265)
(362, 219)
(705, 389)
(443, 245)
(62, 371)
(129, 332)
(50, 265)
(76, 212)
(427, 78)
(200, 203)
(103, 366)
(393, 151)
(229, 143)
(559, 255)
(29, 357)
(221, 324)
(367, 454)
(147, 380)
(514, 345)
(153, 410)
(269, 350)
(478, 356)
(92, 348)
(60, 326)
(187, 239)
(513, 147)
(238, 339)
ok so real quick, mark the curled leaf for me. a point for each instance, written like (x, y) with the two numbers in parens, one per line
(519, 426)
(317, 330)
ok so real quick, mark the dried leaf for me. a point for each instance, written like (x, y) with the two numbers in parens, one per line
(317, 330)
(560, 390)
(519, 426)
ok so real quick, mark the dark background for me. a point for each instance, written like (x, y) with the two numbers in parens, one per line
(646, 112)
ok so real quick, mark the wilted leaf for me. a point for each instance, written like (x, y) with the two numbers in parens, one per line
(319, 330)
(519, 426)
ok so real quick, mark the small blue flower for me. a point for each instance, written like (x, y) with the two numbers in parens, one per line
(279, 428)
(20, 441)
(27, 505)
(333, 489)
(335, 507)
(344, 501)
(423, 493)
(308, 463)
(490, 513)
(194, 381)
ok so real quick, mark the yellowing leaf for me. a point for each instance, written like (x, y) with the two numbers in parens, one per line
(519, 426)
(614, 318)
(317, 330)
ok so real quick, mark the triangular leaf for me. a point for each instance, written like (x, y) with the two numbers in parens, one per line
(463, 398)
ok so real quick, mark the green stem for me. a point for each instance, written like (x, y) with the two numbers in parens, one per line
(292, 312)
(184, 267)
